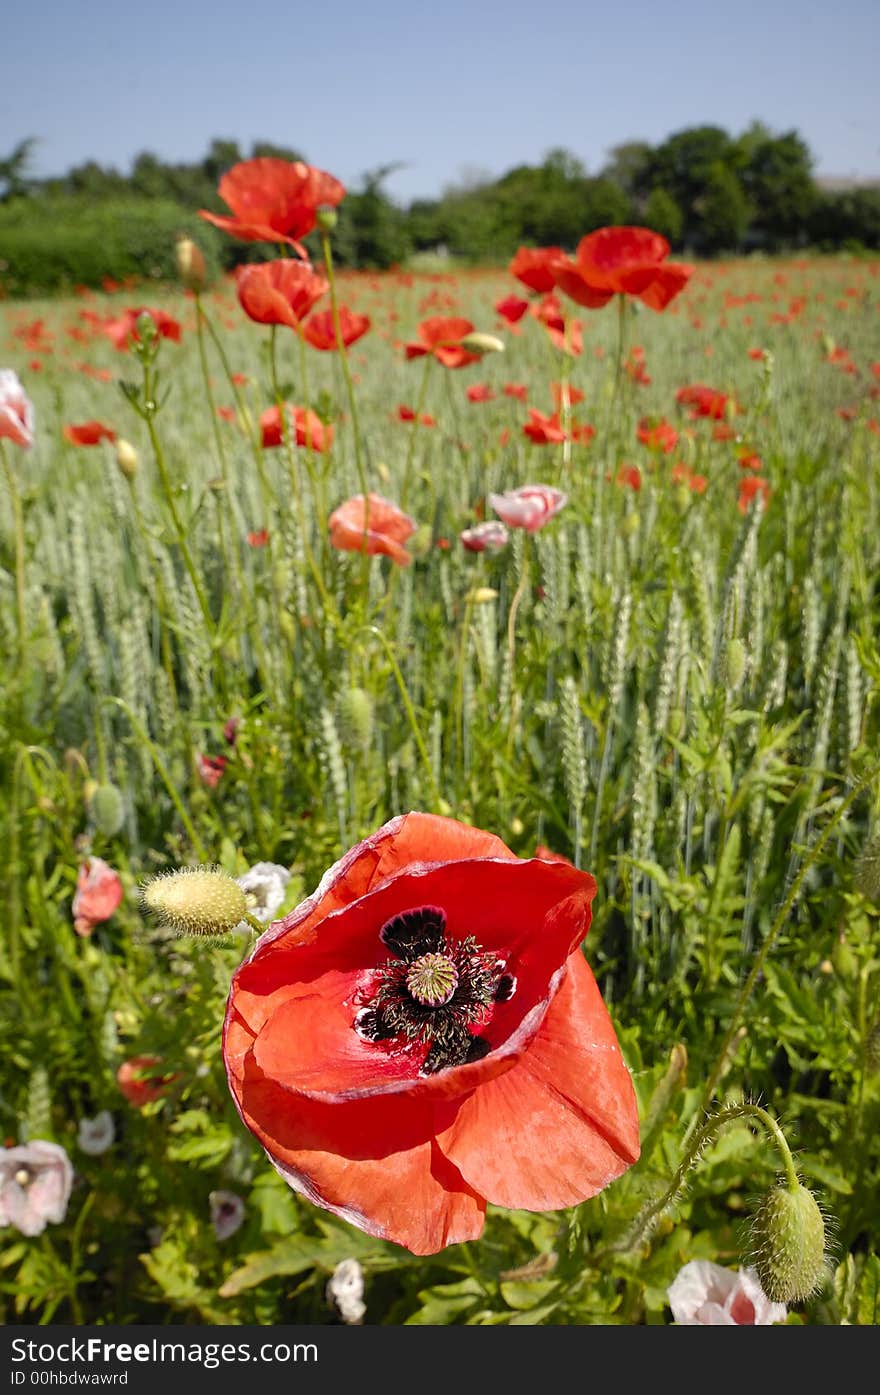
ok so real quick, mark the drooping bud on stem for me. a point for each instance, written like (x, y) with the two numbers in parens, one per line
(196, 901)
(126, 458)
(191, 264)
(788, 1244)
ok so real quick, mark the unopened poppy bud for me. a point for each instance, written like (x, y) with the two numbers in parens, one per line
(90, 789)
(733, 663)
(383, 472)
(478, 343)
(326, 219)
(195, 900)
(844, 958)
(788, 1244)
(356, 717)
(420, 542)
(108, 809)
(191, 264)
(482, 595)
(682, 498)
(145, 327)
(867, 879)
(127, 458)
(630, 525)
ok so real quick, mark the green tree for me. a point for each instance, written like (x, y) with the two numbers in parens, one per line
(13, 178)
(663, 214)
(776, 175)
(722, 210)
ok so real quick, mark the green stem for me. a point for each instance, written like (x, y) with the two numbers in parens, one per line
(209, 392)
(18, 522)
(410, 710)
(162, 769)
(407, 468)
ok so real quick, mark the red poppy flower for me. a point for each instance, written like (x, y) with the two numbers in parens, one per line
(423, 1036)
(88, 433)
(405, 413)
(657, 434)
(748, 488)
(565, 336)
(260, 538)
(381, 529)
(280, 292)
(140, 1082)
(517, 390)
(320, 331)
(531, 265)
(629, 476)
(442, 336)
(511, 308)
(98, 895)
(306, 428)
(703, 401)
(543, 430)
(621, 261)
(682, 474)
(480, 392)
(211, 769)
(274, 200)
(122, 331)
(557, 391)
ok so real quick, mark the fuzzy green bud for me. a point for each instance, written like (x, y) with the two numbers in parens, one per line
(108, 810)
(788, 1244)
(355, 712)
(195, 900)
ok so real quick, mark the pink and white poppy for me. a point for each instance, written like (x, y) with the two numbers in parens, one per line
(529, 507)
(704, 1294)
(98, 895)
(490, 536)
(16, 410)
(35, 1184)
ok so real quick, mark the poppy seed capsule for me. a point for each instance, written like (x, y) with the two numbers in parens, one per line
(108, 810)
(196, 901)
(326, 219)
(788, 1244)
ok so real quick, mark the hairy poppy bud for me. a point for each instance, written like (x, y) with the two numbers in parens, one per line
(478, 343)
(196, 900)
(108, 809)
(788, 1243)
(191, 264)
(126, 458)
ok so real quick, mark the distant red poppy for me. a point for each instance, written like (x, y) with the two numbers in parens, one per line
(749, 460)
(621, 261)
(258, 539)
(122, 331)
(480, 392)
(88, 433)
(682, 474)
(140, 1082)
(380, 529)
(274, 200)
(657, 434)
(442, 336)
(748, 488)
(574, 394)
(531, 265)
(210, 769)
(405, 413)
(280, 292)
(703, 401)
(320, 331)
(566, 335)
(307, 428)
(629, 476)
(518, 390)
(98, 895)
(511, 308)
(543, 430)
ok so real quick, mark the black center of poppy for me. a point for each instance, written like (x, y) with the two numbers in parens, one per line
(436, 992)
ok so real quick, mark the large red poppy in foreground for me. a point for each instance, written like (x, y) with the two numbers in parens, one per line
(423, 1036)
(621, 261)
(274, 200)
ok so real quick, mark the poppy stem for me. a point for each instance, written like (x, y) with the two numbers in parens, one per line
(511, 637)
(410, 711)
(209, 391)
(18, 524)
(420, 402)
(162, 770)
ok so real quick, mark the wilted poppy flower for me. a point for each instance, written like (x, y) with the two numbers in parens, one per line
(35, 1183)
(16, 410)
(531, 265)
(320, 331)
(279, 293)
(442, 336)
(95, 1136)
(227, 1213)
(490, 536)
(274, 200)
(381, 528)
(88, 433)
(529, 507)
(210, 769)
(621, 261)
(306, 428)
(98, 894)
(704, 1294)
(141, 1082)
(423, 1036)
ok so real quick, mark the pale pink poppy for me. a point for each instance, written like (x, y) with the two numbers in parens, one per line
(490, 536)
(381, 527)
(98, 894)
(529, 507)
(16, 410)
(704, 1294)
(35, 1183)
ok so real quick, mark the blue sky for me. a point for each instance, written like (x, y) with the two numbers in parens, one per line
(452, 89)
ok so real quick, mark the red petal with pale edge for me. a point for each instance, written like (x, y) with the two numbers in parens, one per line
(561, 1124)
(372, 1162)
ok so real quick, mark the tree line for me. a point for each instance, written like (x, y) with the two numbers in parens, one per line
(708, 192)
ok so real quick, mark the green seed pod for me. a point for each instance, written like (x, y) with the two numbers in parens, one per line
(788, 1244)
(195, 900)
(355, 712)
(108, 810)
